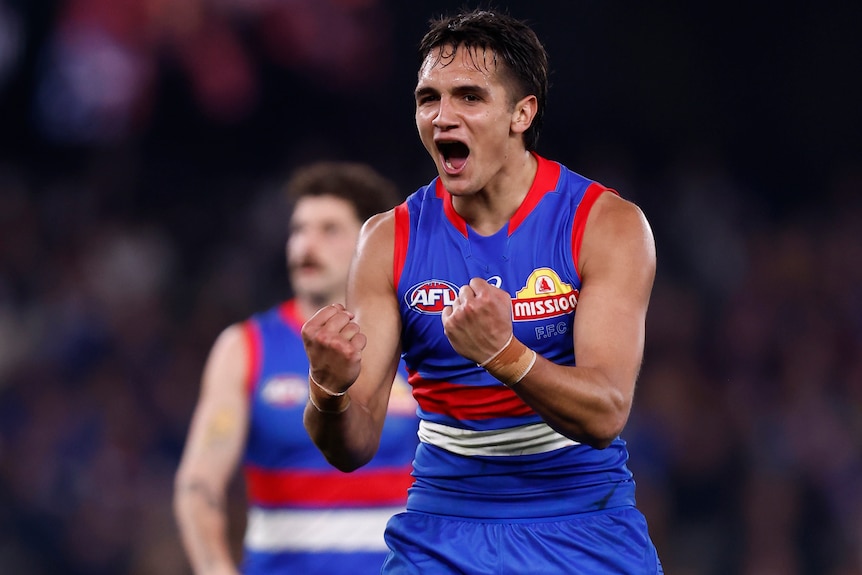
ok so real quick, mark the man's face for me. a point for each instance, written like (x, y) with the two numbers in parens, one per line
(322, 237)
(464, 115)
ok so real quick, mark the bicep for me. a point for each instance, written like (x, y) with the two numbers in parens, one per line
(618, 269)
(220, 422)
(371, 296)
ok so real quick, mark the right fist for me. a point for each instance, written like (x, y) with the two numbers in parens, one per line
(333, 343)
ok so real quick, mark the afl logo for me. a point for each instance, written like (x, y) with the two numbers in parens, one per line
(431, 296)
(285, 390)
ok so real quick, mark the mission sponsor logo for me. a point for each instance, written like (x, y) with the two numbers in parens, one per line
(431, 296)
(544, 295)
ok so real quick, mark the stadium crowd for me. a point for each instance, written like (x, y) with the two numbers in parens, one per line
(746, 433)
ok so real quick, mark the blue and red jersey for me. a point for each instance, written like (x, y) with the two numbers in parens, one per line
(303, 513)
(484, 453)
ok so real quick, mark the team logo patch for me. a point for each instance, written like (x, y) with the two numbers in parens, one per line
(544, 295)
(431, 296)
(284, 390)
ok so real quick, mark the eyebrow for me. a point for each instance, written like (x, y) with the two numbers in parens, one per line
(426, 91)
(471, 89)
(458, 90)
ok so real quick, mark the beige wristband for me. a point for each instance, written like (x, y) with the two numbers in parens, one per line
(511, 363)
(329, 397)
(326, 391)
(328, 411)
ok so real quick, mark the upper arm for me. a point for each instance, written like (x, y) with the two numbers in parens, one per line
(219, 425)
(617, 269)
(371, 296)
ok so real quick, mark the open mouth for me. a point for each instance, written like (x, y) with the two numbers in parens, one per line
(454, 155)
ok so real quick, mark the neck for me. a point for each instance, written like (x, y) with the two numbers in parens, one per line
(487, 211)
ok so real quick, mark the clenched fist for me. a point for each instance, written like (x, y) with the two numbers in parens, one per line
(479, 322)
(334, 344)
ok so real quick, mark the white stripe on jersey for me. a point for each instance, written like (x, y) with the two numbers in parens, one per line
(522, 440)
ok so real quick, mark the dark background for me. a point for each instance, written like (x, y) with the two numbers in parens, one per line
(142, 145)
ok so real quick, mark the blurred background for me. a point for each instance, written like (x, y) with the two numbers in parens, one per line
(142, 147)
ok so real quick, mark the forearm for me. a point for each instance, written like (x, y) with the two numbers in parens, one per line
(581, 403)
(342, 428)
(203, 525)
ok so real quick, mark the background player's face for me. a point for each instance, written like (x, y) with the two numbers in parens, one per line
(322, 236)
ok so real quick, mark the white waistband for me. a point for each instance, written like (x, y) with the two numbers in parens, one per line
(521, 440)
(317, 530)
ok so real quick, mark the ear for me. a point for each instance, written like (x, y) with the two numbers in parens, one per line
(523, 114)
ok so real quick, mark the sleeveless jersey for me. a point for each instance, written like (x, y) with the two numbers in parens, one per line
(483, 452)
(305, 516)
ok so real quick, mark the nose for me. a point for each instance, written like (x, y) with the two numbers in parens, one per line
(446, 117)
(301, 242)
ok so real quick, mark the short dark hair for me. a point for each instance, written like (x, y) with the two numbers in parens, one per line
(511, 40)
(366, 189)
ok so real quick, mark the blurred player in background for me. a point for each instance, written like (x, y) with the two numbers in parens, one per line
(304, 516)
(516, 292)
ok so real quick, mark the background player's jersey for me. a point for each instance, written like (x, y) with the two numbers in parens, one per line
(305, 516)
(483, 451)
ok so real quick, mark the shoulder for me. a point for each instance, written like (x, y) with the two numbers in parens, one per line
(612, 210)
(229, 357)
(374, 250)
(232, 340)
(378, 231)
(617, 229)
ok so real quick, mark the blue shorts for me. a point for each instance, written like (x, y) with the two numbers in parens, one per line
(613, 541)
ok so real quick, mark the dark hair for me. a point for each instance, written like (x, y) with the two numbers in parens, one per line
(368, 191)
(511, 40)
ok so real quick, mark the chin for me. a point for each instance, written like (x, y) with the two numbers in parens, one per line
(306, 290)
(456, 186)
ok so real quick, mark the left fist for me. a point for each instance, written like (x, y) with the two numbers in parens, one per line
(479, 323)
